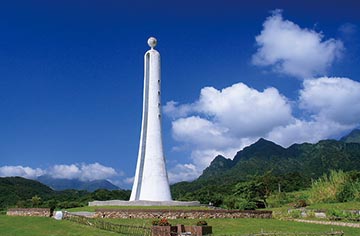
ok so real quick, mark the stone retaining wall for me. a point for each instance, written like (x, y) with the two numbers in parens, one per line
(29, 212)
(179, 214)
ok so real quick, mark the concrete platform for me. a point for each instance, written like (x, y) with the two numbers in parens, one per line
(143, 203)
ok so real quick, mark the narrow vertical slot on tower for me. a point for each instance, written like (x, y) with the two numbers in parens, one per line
(144, 125)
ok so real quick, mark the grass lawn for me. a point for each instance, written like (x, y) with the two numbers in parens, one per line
(282, 212)
(247, 226)
(338, 206)
(323, 206)
(44, 226)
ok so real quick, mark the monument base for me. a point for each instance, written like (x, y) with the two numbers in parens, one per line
(143, 203)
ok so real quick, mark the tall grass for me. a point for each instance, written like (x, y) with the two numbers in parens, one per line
(328, 188)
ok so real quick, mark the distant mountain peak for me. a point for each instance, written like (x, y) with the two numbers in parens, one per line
(261, 147)
(263, 141)
(352, 137)
(63, 184)
(218, 158)
(219, 164)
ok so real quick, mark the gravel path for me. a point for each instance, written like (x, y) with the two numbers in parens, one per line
(354, 225)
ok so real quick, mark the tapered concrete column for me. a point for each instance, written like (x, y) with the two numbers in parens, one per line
(151, 180)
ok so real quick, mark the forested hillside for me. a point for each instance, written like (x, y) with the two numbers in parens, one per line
(285, 169)
(21, 192)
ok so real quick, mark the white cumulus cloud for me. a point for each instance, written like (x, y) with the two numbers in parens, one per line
(247, 111)
(96, 171)
(172, 109)
(65, 172)
(332, 105)
(293, 50)
(335, 99)
(224, 121)
(183, 172)
(129, 180)
(227, 108)
(83, 171)
(22, 171)
(310, 131)
(199, 131)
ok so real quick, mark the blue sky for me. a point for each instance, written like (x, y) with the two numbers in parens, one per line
(71, 76)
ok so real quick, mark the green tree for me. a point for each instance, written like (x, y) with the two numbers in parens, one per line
(102, 195)
(258, 189)
(35, 201)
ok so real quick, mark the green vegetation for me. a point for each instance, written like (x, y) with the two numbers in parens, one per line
(336, 187)
(16, 189)
(265, 192)
(265, 174)
(247, 226)
(293, 199)
(20, 192)
(353, 137)
(337, 206)
(42, 226)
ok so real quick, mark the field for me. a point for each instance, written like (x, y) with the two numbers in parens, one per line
(43, 226)
(282, 212)
(248, 226)
(339, 205)
(317, 206)
(39, 226)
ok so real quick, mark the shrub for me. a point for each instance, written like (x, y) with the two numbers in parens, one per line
(300, 203)
(247, 205)
(161, 222)
(295, 214)
(278, 199)
(293, 199)
(66, 204)
(233, 202)
(230, 202)
(201, 223)
(326, 188)
(350, 191)
(335, 214)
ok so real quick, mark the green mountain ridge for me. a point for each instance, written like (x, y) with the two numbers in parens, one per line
(353, 137)
(300, 163)
(311, 159)
(14, 189)
(18, 192)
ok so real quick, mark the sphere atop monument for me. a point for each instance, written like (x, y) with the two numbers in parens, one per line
(152, 42)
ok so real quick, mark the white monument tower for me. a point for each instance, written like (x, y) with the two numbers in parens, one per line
(151, 181)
